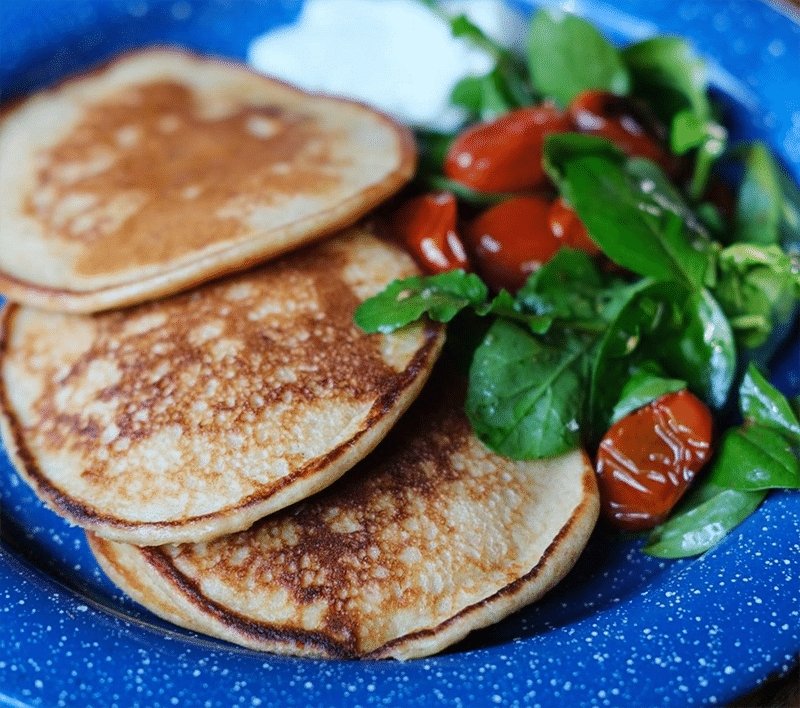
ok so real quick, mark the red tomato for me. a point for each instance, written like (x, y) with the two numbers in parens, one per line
(427, 227)
(565, 224)
(647, 460)
(623, 122)
(511, 240)
(505, 155)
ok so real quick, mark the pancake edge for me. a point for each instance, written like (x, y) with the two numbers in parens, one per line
(180, 601)
(314, 476)
(226, 259)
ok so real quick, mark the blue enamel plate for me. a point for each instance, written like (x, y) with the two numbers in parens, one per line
(622, 629)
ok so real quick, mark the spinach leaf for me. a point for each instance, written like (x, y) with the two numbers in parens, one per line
(484, 97)
(762, 403)
(560, 148)
(698, 346)
(645, 385)
(681, 329)
(438, 182)
(637, 219)
(571, 289)
(758, 287)
(691, 131)
(759, 207)
(755, 457)
(504, 88)
(669, 76)
(568, 55)
(525, 393)
(703, 524)
(441, 297)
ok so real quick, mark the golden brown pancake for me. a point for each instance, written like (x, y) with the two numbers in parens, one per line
(428, 538)
(191, 417)
(164, 169)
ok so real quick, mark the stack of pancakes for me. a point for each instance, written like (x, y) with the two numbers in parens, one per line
(185, 245)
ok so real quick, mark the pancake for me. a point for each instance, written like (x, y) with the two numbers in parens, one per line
(428, 538)
(191, 417)
(164, 169)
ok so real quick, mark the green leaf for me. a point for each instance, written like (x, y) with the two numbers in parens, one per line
(525, 395)
(759, 207)
(484, 97)
(440, 183)
(638, 220)
(571, 289)
(432, 147)
(567, 55)
(644, 387)
(755, 457)
(762, 403)
(441, 297)
(758, 287)
(669, 76)
(702, 526)
(690, 131)
(682, 330)
(560, 148)
(698, 346)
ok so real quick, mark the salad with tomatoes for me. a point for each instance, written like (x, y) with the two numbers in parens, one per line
(616, 274)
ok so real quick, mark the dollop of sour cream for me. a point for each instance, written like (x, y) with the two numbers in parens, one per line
(396, 55)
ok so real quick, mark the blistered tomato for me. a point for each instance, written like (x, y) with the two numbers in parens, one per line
(505, 155)
(647, 460)
(511, 240)
(624, 123)
(427, 227)
(565, 224)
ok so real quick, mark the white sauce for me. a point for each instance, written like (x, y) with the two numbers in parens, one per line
(396, 55)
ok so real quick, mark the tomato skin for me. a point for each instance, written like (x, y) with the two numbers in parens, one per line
(505, 155)
(511, 240)
(624, 123)
(565, 224)
(647, 460)
(426, 225)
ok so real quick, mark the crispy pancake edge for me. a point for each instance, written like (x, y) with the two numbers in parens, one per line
(179, 600)
(225, 260)
(303, 482)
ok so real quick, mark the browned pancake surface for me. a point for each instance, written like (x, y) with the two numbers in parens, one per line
(192, 416)
(163, 169)
(429, 537)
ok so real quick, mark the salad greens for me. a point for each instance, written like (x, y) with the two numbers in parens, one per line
(696, 294)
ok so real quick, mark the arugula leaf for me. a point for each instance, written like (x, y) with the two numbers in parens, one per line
(762, 403)
(759, 207)
(560, 148)
(645, 385)
(669, 76)
(758, 287)
(525, 394)
(568, 55)
(703, 524)
(637, 220)
(441, 297)
(755, 457)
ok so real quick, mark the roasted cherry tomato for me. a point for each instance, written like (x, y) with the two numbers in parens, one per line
(565, 224)
(624, 122)
(647, 460)
(505, 155)
(511, 240)
(427, 227)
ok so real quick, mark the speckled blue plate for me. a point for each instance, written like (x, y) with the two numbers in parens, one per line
(622, 629)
